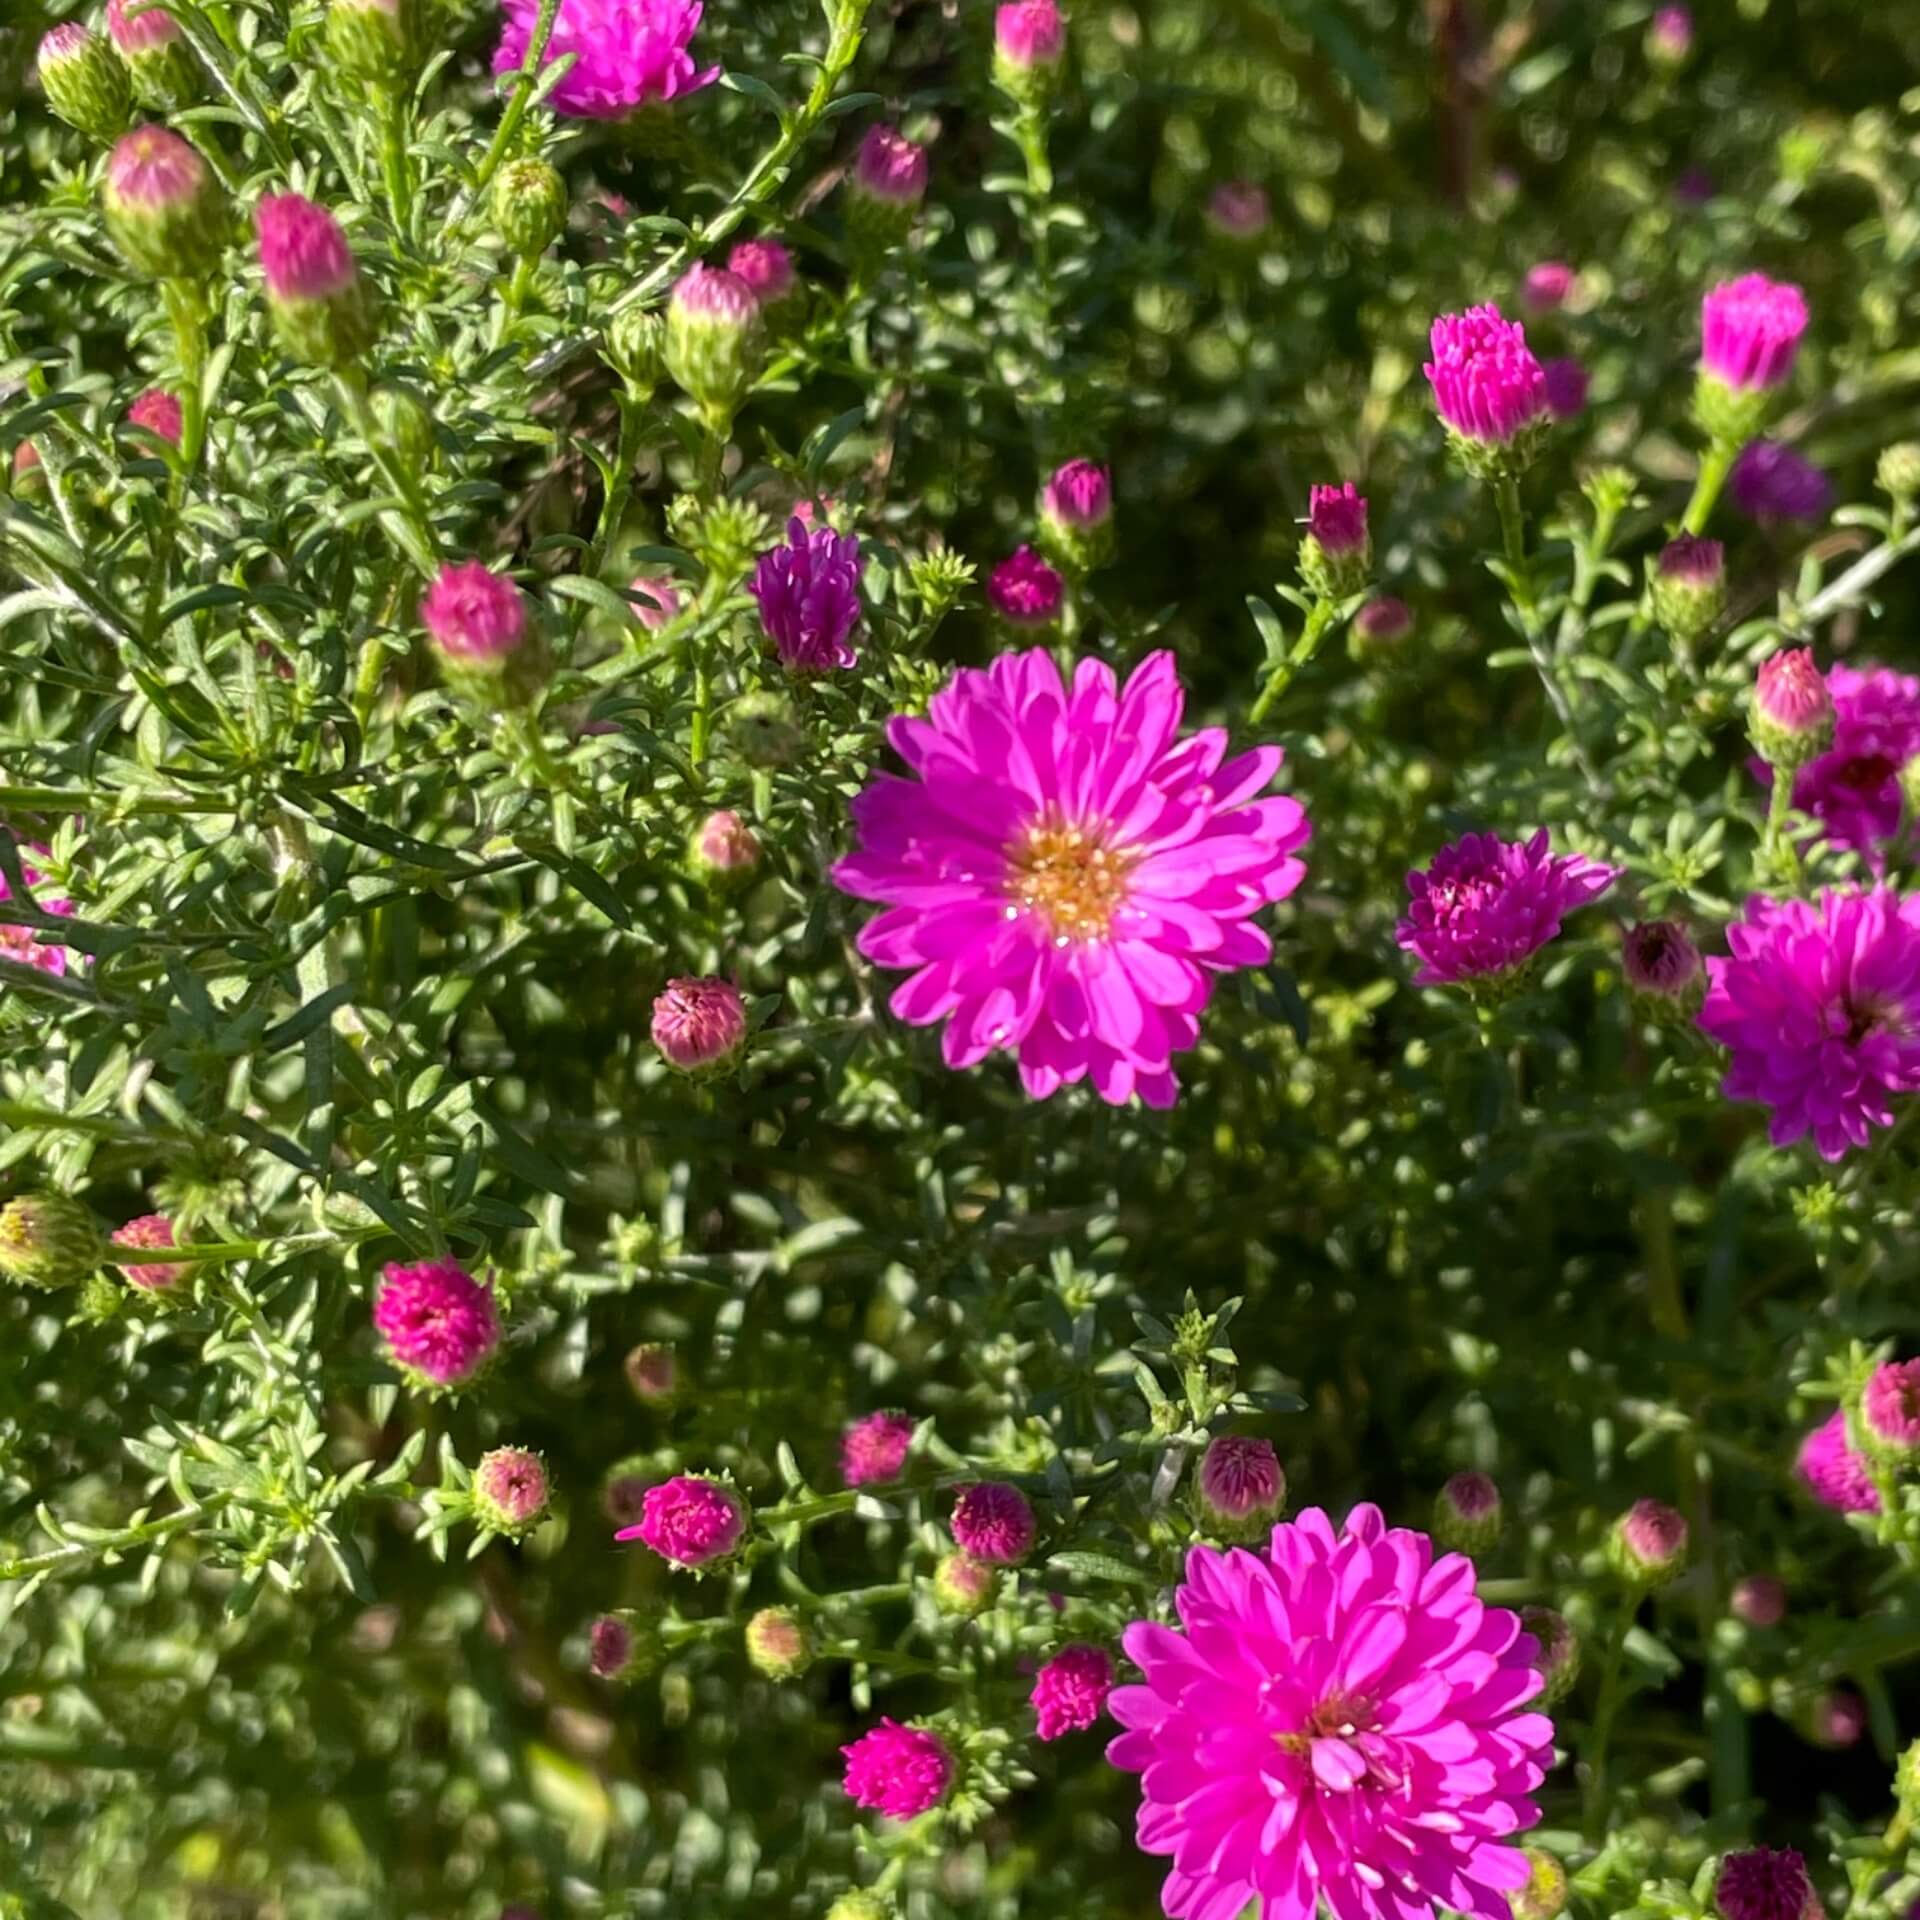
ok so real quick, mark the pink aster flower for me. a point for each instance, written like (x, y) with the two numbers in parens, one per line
(809, 597)
(1750, 331)
(1340, 1718)
(152, 169)
(891, 167)
(154, 1276)
(1771, 482)
(660, 599)
(1024, 591)
(632, 53)
(1486, 383)
(1567, 383)
(898, 1771)
(1764, 1883)
(1890, 1408)
(1337, 518)
(1486, 906)
(1069, 1691)
(473, 615)
(141, 32)
(875, 1448)
(159, 412)
(1661, 961)
(725, 844)
(23, 945)
(439, 1323)
(1819, 1004)
(1079, 495)
(1065, 879)
(303, 251)
(766, 268)
(699, 1024)
(689, 1521)
(1832, 1471)
(1239, 210)
(510, 1489)
(1029, 33)
(1853, 788)
(1547, 285)
(993, 1524)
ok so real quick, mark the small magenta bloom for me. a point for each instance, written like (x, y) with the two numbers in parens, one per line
(898, 1771)
(1029, 33)
(23, 945)
(1486, 383)
(1772, 482)
(1384, 620)
(1024, 591)
(993, 1524)
(725, 844)
(1070, 1690)
(1833, 1471)
(1079, 495)
(1567, 383)
(159, 412)
(1670, 37)
(1547, 285)
(1853, 788)
(1760, 1600)
(1819, 1005)
(303, 251)
(891, 168)
(661, 599)
(1239, 210)
(610, 1647)
(1467, 1513)
(1486, 906)
(1762, 1883)
(630, 53)
(1339, 1711)
(1662, 963)
(440, 1324)
(765, 268)
(1241, 1485)
(1337, 518)
(1649, 1543)
(1063, 875)
(1837, 1720)
(809, 596)
(699, 1025)
(690, 1521)
(473, 616)
(156, 1276)
(1750, 331)
(1793, 709)
(874, 1449)
(1890, 1409)
(510, 1490)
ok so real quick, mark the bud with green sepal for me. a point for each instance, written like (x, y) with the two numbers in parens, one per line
(1467, 1513)
(1337, 554)
(1897, 472)
(1076, 517)
(778, 1643)
(163, 207)
(510, 1492)
(1664, 971)
(48, 1240)
(1029, 51)
(1544, 1897)
(1558, 1658)
(84, 81)
(322, 309)
(889, 182)
(635, 340)
(1648, 1544)
(529, 205)
(148, 38)
(713, 340)
(1792, 717)
(1689, 588)
(962, 1586)
(375, 42)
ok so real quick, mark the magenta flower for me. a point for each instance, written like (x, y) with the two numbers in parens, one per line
(1239, 210)
(1567, 383)
(1838, 1719)
(1486, 906)
(303, 252)
(765, 267)
(1764, 1883)
(1650, 1540)
(1079, 495)
(142, 32)
(898, 1771)
(1241, 1480)
(1760, 1599)
(632, 53)
(1819, 1005)
(1547, 285)
(699, 1024)
(1029, 33)
(660, 599)
(1024, 591)
(1340, 1717)
(610, 1646)
(1063, 878)
(440, 1324)
(809, 597)
(1070, 1690)
(1486, 383)
(159, 412)
(1890, 1408)
(725, 844)
(993, 1524)
(1750, 331)
(1337, 518)
(875, 1449)
(1832, 1471)
(153, 169)
(891, 167)
(1793, 713)
(1853, 788)
(510, 1490)
(690, 1521)
(153, 1230)
(1772, 482)
(23, 945)
(473, 615)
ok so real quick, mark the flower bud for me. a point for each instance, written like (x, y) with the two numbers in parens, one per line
(405, 428)
(1890, 1411)
(1240, 1488)
(1760, 1600)
(148, 38)
(634, 341)
(322, 310)
(1897, 471)
(724, 851)
(152, 1276)
(47, 1240)
(1378, 627)
(1689, 587)
(1670, 38)
(1336, 554)
(993, 1523)
(1467, 1513)
(1025, 592)
(1566, 385)
(652, 1372)
(1836, 1719)
(888, 183)
(477, 622)
(1558, 1659)
(778, 1644)
(1792, 717)
(529, 205)
(621, 1647)
(713, 339)
(1544, 1897)
(694, 1521)
(376, 42)
(1029, 49)
(1547, 285)
(1750, 332)
(1765, 1883)
(1663, 969)
(1648, 1545)
(84, 82)
(1076, 516)
(700, 1026)
(158, 411)
(510, 1491)
(963, 1586)
(163, 207)
(766, 268)
(762, 731)
(1239, 211)
(26, 473)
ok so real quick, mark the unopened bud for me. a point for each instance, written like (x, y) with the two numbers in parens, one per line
(713, 339)
(376, 42)
(1467, 1513)
(778, 1644)
(47, 1240)
(163, 207)
(1648, 1546)
(529, 205)
(84, 81)
(1792, 719)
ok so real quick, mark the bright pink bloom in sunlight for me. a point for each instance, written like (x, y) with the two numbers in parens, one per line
(993, 1524)
(875, 1449)
(1750, 331)
(1853, 788)
(1486, 383)
(1063, 875)
(898, 1771)
(1337, 1717)
(439, 1322)
(689, 1521)
(22, 945)
(159, 412)
(303, 252)
(632, 53)
(766, 268)
(1024, 591)
(1832, 1471)
(473, 614)
(1069, 1691)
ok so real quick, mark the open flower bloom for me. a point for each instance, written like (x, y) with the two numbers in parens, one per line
(1340, 1720)
(1064, 875)
(631, 53)
(1853, 788)
(23, 945)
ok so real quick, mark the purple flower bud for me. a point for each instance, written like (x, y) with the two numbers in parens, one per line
(1467, 1513)
(1770, 482)
(1558, 1655)
(163, 206)
(1239, 210)
(874, 1449)
(890, 167)
(609, 1647)
(1670, 37)
(1024, 591)
(1890, 1410)
(1760, 1600)
(778, 1644)
(1487, 386)
(724, 846)
(321, 310)
(154, 1276)
(1079, 496)
(1383, 620)
(475, 618)
(1567, 382)
(1660, 961)
(1837, 1719)
(713, 340)
(700, 1026)
(1337, 518)
(1833, 1471)
(1240, 1487)
(1649, 1543)
(993, 1524)
(1027, 34)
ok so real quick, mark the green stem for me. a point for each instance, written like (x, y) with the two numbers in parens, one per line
(396, 166)
(502, 142)
(1319, 618)
(1777, 850)
(1663, 1275)
(143, 1533)
(352, 388)
(1714, 468)
(633, 426)
(189, 321)
(1599, 1736)
(1513, 539)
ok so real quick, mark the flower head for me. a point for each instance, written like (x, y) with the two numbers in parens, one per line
(874, 1449)
(1557, 1651)
(1241, 1486)
(1486, 906)
(1793, 709)
(1567, 383)
(765, 268)
(1070, 1690)
(898, 1771)
(1649, 1542)
(690, 1520)
(303, 251)
(474, 616)
(1693, 560)
(610, 1647)
(1853, 787)
(1383, 620)
(652, 1371)
(1750, 331)
(163, 206)
(1762, 1883)
(725, 845)
(152, 1276)
(891, 167)
(84, 81)
(1064, 878)
(1772, 482)
(1670, 38)
(1544, 1897)
(809, 597)
(1337, 518)
(1890, 1409)
(1024, 591)
(1837, 1719)
(1547, 285)
(1819, 1004)
(993, 1524)
(1340, 1711)
(778, 1644)
(1662, 963)
(510, 1490)
(1079, 495)
(48, 1240)
(25, 945)
(1239, 210)
(440, 1324)
(1760, 1600)
(1467, 1513)
(1832, 1471)
(139, 32)
(1028, 33)
(629, 53)
(1486, 383)
(159, 412)
(699, 1025)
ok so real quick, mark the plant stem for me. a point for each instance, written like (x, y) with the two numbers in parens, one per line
(1600, 1734)
(1319, 619)
(1513, 537)
(1714, 468)
(396, 166)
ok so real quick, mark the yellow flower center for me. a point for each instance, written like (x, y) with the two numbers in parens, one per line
(1069, 877)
